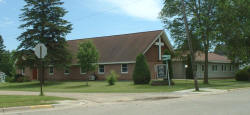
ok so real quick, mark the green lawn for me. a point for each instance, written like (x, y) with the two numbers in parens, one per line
(120, 87)
(13, 100)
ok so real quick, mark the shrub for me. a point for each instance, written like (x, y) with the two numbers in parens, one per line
(243, 75)
(141, 74)
(9, 79)
(112, 77)
(21, 78)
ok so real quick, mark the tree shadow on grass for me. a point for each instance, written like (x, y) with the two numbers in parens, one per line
(77, 86)
(28, 85)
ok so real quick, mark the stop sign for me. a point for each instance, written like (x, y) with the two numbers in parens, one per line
(40, 50)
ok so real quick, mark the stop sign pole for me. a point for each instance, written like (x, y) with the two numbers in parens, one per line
(41, 51)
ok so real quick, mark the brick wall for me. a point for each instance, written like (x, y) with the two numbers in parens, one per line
(76, 75)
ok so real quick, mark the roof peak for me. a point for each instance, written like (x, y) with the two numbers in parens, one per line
(117, 35)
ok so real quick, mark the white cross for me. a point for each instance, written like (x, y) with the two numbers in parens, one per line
(159, 44)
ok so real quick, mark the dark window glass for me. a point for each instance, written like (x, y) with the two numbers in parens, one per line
(101, 68)
(51, 69)
(124, 68)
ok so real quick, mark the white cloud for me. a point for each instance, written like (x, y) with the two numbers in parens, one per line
(146, 9)
(2, 1)
(6, 22)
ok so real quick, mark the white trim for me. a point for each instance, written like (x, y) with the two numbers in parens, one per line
(215, 61)
(99, 69)
(122, 71)
(150, 45)
(81, 71)
(109, 63)
(169, 45)
(23, 71)
(165, 39)
(125, 62)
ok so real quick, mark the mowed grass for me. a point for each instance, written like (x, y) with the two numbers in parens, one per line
(119, 87)
(19, 100)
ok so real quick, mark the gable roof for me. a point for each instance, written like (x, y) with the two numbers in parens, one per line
(118, 48)
(212, 57)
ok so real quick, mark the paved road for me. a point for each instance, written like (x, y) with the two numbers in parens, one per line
(230, 103)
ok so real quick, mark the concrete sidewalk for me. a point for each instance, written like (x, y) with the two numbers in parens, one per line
(118, 97)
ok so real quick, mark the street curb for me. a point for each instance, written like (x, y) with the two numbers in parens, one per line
(41, 106)
(2, 110)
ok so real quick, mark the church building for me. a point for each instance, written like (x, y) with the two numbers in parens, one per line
(117, 52)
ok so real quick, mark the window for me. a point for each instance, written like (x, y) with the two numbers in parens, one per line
(23, 71)
(66, 70)
(124, 68)
(51, 70)
(101, 69)
(202, 67)
(82, 71)
(214, 67)
(231, 67)
(223, 68)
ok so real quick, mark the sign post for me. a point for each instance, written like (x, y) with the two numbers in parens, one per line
(41, 51)
(166, 58)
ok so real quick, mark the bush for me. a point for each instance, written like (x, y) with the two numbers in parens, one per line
(243, 75)
(21, 78)
(141, 74)
(9, 79)
(112, 78)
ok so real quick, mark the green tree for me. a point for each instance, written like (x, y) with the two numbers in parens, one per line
(141, 73)
(200, 21)
(233, 27)
(2, 47)
(7, 63)
(44, 23)
(177, 16)
(221, 49)
(87, 57)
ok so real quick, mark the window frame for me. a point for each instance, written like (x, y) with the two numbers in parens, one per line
(124, 67)
(52, 69)
(224, 67)
(65, 68)
(23, 71)
(81, 71)
(202, 67)
(214, 68)
(99, 72)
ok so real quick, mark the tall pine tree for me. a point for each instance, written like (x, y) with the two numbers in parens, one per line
(1, 48)
(1, 45)
(44, 23)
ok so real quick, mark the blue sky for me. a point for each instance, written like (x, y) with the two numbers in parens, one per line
(90, 18)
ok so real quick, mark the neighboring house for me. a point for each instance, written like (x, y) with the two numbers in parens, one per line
(117, 52)
(218, 66)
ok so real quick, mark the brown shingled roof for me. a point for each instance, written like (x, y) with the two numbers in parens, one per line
(117, 48)
(212, 57)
